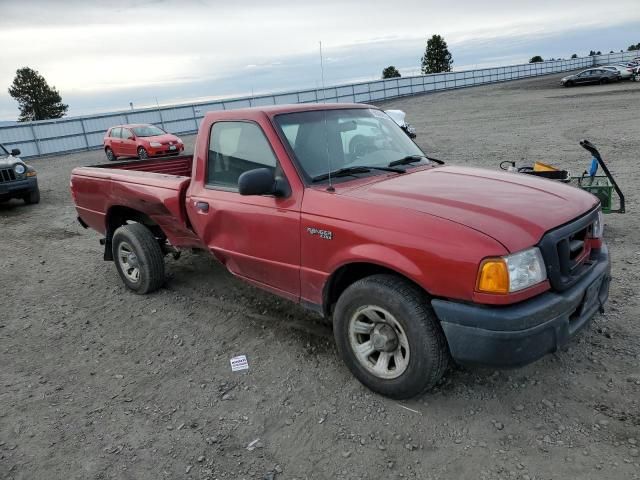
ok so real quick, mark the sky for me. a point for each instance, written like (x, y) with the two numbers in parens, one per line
(102, 55)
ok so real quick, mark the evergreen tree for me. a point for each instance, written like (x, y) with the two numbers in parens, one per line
(437, 57)
(36, 99)
(390, 72)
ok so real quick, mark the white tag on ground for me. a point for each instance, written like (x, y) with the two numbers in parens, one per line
(239, 363)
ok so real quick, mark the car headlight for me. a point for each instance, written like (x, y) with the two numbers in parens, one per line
(598, 226)
(511, 273)
(20, 169)
(155, 144)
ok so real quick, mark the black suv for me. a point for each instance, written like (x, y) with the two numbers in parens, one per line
(17, 179)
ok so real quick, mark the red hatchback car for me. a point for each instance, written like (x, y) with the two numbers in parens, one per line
(142, 141)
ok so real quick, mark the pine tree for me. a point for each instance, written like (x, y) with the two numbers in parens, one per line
(36, 99)
(390, 72)
(437, 57)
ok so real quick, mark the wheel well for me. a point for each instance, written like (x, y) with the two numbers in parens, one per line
(118, 216)
(348, 274)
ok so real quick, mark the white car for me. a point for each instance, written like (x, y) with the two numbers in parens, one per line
(398, 116)
(625, 72)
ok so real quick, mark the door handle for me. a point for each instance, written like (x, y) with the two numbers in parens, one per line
(202, 207)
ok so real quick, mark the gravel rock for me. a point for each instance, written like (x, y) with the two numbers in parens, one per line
(547, 403)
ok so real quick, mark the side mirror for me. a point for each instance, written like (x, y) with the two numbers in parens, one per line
(131, 137)
(15, 152)
(259, 181)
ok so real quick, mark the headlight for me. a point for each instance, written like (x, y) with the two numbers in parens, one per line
(20, 169)
(598, 226)
(155, 144)
(511, 273)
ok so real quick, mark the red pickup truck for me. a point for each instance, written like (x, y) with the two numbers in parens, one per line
(334, 207)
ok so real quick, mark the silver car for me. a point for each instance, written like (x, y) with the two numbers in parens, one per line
(625, 72)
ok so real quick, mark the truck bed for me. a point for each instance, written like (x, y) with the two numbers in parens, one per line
(156, 187)
(178, 166)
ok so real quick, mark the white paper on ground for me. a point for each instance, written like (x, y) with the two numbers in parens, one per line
(239, 363)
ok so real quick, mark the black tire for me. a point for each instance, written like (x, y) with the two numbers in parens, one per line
(604, 81)
(149, 258)
(110, 155)
(428, 356)
(569, 84)
(142, 153)
(32, 197)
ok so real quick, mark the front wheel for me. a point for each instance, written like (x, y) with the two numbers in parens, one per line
(142, 153)
(138, 258)
(110, 155)
(389, 337)
(604, 81)
(32, 197)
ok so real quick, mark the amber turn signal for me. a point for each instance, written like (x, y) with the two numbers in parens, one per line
(31, 173)
(493, 276)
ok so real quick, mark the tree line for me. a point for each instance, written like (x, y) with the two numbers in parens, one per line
(438, 59)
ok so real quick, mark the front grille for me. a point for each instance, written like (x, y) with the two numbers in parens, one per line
(566, 252)
(7, 175)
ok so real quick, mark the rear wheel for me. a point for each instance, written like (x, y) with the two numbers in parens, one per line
(32, 197)
(142, 153)
(604, 81)
(110, 155)
(138, 258)
(389, 337)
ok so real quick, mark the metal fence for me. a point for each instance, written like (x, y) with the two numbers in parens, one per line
(72, 134)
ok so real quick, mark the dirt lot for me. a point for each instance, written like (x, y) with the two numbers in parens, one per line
(98, 383)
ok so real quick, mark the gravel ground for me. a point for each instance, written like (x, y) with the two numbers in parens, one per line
(99, 383)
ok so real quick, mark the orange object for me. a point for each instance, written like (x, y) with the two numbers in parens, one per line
(543, 167)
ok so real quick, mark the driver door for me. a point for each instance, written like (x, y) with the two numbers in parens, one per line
(257, 237)
(129, 147)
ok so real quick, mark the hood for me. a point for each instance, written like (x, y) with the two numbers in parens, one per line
(515, 209)
(167, 137)
(9, 161)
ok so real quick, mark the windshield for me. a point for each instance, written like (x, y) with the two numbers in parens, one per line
(3, 151)
(148, 131)
(324, 140)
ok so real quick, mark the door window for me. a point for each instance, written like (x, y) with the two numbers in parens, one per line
(115, 132)
(126, 134)
(235, 148)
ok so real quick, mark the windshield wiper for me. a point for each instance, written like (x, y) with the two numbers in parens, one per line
(412, 159)
(343, 172)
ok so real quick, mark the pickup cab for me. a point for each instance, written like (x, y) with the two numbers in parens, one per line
(336, 208)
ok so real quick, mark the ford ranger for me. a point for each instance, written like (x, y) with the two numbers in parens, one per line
(336, 208)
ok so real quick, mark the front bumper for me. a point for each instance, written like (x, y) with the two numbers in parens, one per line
(164, 150)
(519, 334)
(18, 188)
